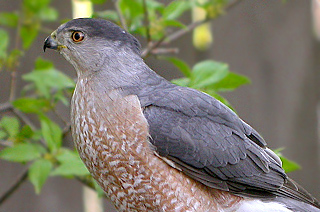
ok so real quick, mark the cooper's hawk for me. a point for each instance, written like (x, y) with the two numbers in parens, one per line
(156, 146)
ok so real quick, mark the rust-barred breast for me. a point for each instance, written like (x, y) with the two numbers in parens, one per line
(111, 135)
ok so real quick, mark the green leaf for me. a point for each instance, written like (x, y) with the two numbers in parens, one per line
(289, 165)
(70, 164)
(28, 33)
(175, 9)
(98, 1)
(4, 43)
(46, 77)
(9, 19)
(207, 73)
(35, 5)
(10, 125)
(181, 65)
(11, 60)
(41, 64)
(107, 14)
(218, 97)
(39, 172)
(37, 135)
(48, 14)
(3, 134)
(31, 105)
(22, 152)
(26, 132)
(60, 96)
(154, 5)
(181, 81)
(174, 23)
(99, 190)
(230, 82)
(131, 9)
(51, 133)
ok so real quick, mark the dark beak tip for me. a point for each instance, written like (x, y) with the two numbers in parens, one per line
(49, 43)
(46, 43)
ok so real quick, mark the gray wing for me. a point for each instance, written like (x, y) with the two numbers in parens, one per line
(209, 142)
(212, 145)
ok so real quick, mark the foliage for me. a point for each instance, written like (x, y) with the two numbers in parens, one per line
(209, 76)
(40, 145)
(287, 164)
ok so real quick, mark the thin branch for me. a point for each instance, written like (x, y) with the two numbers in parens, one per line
(55, 112)
(66, 130)
(13, 82)
(5, 107)
(25, 119)
(151, 46)
(183, 31)
(146, 17)
(232, 4)
(158, 51)
(6, 143)
(122, 19)
(14, 187)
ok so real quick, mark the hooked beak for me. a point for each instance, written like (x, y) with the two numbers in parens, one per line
(50, 43)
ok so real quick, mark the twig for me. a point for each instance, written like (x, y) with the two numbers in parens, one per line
(14, 187)
(66, 130)
(146, 17)
(158, 51)
(151, 46)
(59, 116)
(183, 31)
(122, 19)
(25, 119)
(5, 107)
(6, 143)
(13, 83)
(232, 4)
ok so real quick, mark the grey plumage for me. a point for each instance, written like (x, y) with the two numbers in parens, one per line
(202, 136)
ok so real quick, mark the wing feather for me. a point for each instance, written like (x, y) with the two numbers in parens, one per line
(212, 145)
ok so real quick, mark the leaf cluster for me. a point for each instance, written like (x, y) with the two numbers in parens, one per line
(41, 148)
(209, 76)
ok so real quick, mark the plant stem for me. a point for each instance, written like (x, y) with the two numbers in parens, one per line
(184, 31)
(151, 46)
(175, 35)
(14, 187)
(25, 119)
(13, 82)
(122, 19)
(5, 107)
(146, 17)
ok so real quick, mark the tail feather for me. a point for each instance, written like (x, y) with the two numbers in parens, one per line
(295, 191)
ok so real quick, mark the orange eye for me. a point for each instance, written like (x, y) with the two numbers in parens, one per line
(77, 36)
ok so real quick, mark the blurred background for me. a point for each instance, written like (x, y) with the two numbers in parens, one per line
(275, 43)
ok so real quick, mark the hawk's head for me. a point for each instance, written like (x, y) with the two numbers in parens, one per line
(89, 43)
